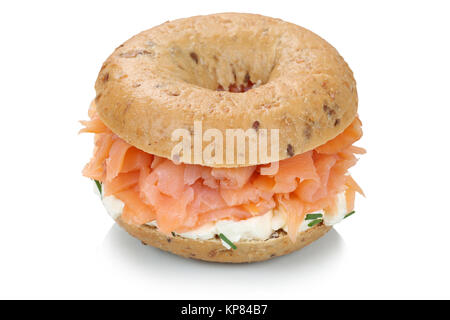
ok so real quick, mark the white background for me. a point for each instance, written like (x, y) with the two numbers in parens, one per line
(56, 241)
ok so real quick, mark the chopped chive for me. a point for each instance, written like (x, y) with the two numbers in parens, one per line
(314, 222)
(349, 214)
(231, 244)
(99, 186)
(313, 216)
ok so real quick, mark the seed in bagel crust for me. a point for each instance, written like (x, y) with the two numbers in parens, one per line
(135, 53)
(307, 131)
(194, 57)
(106, 77)
(274, 235)
(212, 253)
(255, 125)
(329, 111)
(247, 78)
(234, 73)
(290, 150)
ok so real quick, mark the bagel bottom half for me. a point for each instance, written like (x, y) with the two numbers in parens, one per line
(212, 250)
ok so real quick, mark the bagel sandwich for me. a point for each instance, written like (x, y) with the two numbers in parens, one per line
(225, 137)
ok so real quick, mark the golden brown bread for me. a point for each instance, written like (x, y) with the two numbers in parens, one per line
(165, 78)
(213, 250)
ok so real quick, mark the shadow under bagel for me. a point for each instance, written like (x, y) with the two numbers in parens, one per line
(162, 275)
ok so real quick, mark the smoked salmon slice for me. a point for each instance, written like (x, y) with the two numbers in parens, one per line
(295, 213)
(349, 136)
(310, 190)
(248, 193)
(135, 210)
(114, 163)
(122, 182)
(182, 197)
(233, 178)
(93, 126)
(291, 171)
(135, 159)
(95, 169)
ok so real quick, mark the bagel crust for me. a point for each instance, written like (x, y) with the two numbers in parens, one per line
(167, 77)
(212, 250)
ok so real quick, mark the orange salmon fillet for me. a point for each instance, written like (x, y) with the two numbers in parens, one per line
(183, 197)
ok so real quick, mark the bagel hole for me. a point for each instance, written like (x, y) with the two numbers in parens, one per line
(242, 65)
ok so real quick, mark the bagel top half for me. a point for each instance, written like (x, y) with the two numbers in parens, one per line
(167, 77)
